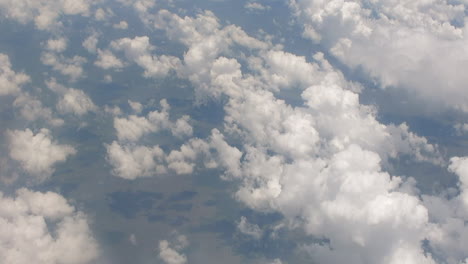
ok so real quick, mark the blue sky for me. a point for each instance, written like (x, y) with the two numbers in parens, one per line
(265, 132)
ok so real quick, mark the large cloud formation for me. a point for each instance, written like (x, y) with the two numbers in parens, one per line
(415, 45)
(319, 164)
(43, 228)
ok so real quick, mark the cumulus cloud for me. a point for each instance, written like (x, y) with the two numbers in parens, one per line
(249, 229)
(121, 25)
(395, 41)
(139, 50)
(70, 67)
(32, 109)
(461, 128)
(43, 228)
(131, 162)
(57, 45)
(206, 40)
(72, 101)
(170, 255)
(10, 81)
(319, 164)
(44, 13)
(107, 60)
(91, 42)
(133, 127)
(37, 153)
(255, 6)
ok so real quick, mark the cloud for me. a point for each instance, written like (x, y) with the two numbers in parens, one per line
(107, 60)
(319, 163)
(72, 101)
(461, 128)
(32, 110)
(43, 228)
(131, 162)
(139, 51)
(57, 45)
(255, 7)
(71, 67)
(170, 255)
(133, 127)
(206, 40)
(10, 81)
(91, 42)
(249, 229)
(121, 25)
(44, 13)
(37, 153)
(394, 42)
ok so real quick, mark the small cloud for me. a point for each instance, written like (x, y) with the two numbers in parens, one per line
(121, 25)
(255, 7)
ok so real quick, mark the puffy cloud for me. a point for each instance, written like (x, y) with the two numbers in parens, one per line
(134, 127)
(136, 106)
(319, 164)
(91, 42)
(71, 67)
(461, 128)
(395, 41)
(103, 14)
(170, 255)
(71, 100)
(32, 109)
(57, 45)
(44, 13)
(43, 228)
(121, 25)
(206, 41)
(10, 81)
(255, 6)
(249, 229)
(37, 153)
(107, 60)
(138, 50)
(131, 162)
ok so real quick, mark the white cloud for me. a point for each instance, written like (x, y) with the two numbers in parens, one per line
(395, 41)
(57, 45)
(103, 14)
(318, 164)
(107, 60)
(37, 153)
(10, 81)
(43, 228)
(71, 100)
(121, 25)
(461, 128)
(133, 127)
(170, 255)
(32, 109)
(136, 106)
(132, 239)
(139, 51)
(205, 40)
(44, 13)
(249, 229)
(255, 6)
(91, 42)
(130, 162)
(71, 67)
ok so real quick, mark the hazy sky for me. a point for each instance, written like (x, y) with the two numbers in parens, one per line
(233, 131)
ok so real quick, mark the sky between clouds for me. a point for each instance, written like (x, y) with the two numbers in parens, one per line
(266, 132)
